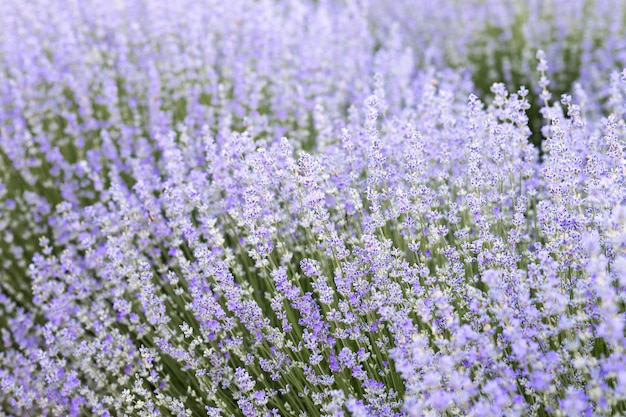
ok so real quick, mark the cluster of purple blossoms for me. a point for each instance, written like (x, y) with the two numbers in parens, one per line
(295, 208)
(498, 40)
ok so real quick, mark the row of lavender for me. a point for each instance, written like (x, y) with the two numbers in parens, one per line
(282, 208)
(584, 38)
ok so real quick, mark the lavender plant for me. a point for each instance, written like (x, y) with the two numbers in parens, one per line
(266, 209)
(497, 40)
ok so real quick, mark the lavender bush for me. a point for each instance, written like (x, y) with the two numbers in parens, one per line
(497, 41)
(292, 208)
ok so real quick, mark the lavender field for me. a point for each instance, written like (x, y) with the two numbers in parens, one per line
(312, 208)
